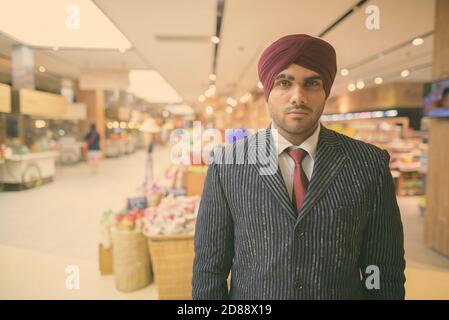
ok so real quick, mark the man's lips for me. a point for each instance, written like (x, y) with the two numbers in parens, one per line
(298, 112)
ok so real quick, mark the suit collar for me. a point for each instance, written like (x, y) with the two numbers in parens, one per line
(328, 163)
(309, 145)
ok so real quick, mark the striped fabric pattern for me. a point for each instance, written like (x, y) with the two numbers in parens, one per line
(349, 221)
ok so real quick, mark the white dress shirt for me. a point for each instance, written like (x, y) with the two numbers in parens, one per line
(286, 163)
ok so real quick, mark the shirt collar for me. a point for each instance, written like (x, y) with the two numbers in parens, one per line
(309, 145)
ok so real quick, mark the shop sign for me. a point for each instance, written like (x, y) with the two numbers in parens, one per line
(5, 98)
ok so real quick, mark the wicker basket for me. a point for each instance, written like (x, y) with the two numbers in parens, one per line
(132, 269)
(172, 260)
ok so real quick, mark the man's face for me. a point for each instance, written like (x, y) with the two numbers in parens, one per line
(297, 100)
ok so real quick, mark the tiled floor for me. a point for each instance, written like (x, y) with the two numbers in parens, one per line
(44, 230)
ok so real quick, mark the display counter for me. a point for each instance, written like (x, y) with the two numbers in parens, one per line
(113, 148)
(28, 170)
(70, 153)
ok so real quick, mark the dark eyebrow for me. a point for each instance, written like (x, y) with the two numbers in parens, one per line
(292, 78)
(283, 76)
(312, 78)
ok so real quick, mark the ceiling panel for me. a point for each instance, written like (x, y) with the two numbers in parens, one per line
(185, 65)
(249, 26)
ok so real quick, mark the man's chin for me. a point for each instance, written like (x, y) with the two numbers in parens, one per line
(296, 129)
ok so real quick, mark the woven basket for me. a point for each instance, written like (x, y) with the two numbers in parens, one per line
(132, 269)
(172, 260)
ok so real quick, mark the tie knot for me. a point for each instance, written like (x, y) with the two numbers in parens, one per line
(297, 154)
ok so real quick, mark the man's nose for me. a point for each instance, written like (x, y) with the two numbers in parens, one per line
(298, 96)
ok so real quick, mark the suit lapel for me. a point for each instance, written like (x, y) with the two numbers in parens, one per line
(328, 163)
(262, 153)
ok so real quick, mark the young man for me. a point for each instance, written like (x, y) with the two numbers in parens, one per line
(324, 224)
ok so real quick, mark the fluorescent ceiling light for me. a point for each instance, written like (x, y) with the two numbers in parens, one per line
(179, 109)
(60, 23)
(151, 86)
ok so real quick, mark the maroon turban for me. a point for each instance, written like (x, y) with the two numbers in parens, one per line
(304, 50)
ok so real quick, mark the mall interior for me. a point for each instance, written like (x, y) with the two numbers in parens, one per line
(94, 201)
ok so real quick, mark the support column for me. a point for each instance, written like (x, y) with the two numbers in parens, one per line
(94, 100)
(436, 223)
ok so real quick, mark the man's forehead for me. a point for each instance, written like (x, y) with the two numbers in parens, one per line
(296, 71)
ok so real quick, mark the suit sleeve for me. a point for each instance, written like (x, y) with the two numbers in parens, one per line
(383, 243)
(214, 243)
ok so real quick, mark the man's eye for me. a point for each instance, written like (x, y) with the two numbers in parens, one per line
(313, 83)
(284, 83)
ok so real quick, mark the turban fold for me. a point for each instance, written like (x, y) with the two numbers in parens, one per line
(304, 50)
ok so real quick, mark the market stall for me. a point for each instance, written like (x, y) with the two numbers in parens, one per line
(30, 145)
(27, 170)
(407, 148)
(5, 108)
(69, 135)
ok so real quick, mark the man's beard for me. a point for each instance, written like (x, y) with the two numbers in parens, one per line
(283, 126)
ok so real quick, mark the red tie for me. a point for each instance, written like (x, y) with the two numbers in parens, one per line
(300, 181)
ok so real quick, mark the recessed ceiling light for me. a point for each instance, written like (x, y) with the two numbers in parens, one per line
(215, 39)
(351, 87)
(245, 98)
(212, 77)
(201, 98)
(405, 73)
(229, 110)
(231, 101)
(378, 80)
(360, 84)
(344, 72)
(42, 69)
(209, 110)
(418, 41)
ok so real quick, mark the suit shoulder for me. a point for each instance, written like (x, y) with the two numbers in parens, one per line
(360, 149)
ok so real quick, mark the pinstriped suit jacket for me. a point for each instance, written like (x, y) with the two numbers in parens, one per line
(349, 220)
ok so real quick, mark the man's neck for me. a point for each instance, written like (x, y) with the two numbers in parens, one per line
(295, 139)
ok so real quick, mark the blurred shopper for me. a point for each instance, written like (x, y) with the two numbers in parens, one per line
(92, 139)
(149, 168)
(324, 224)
